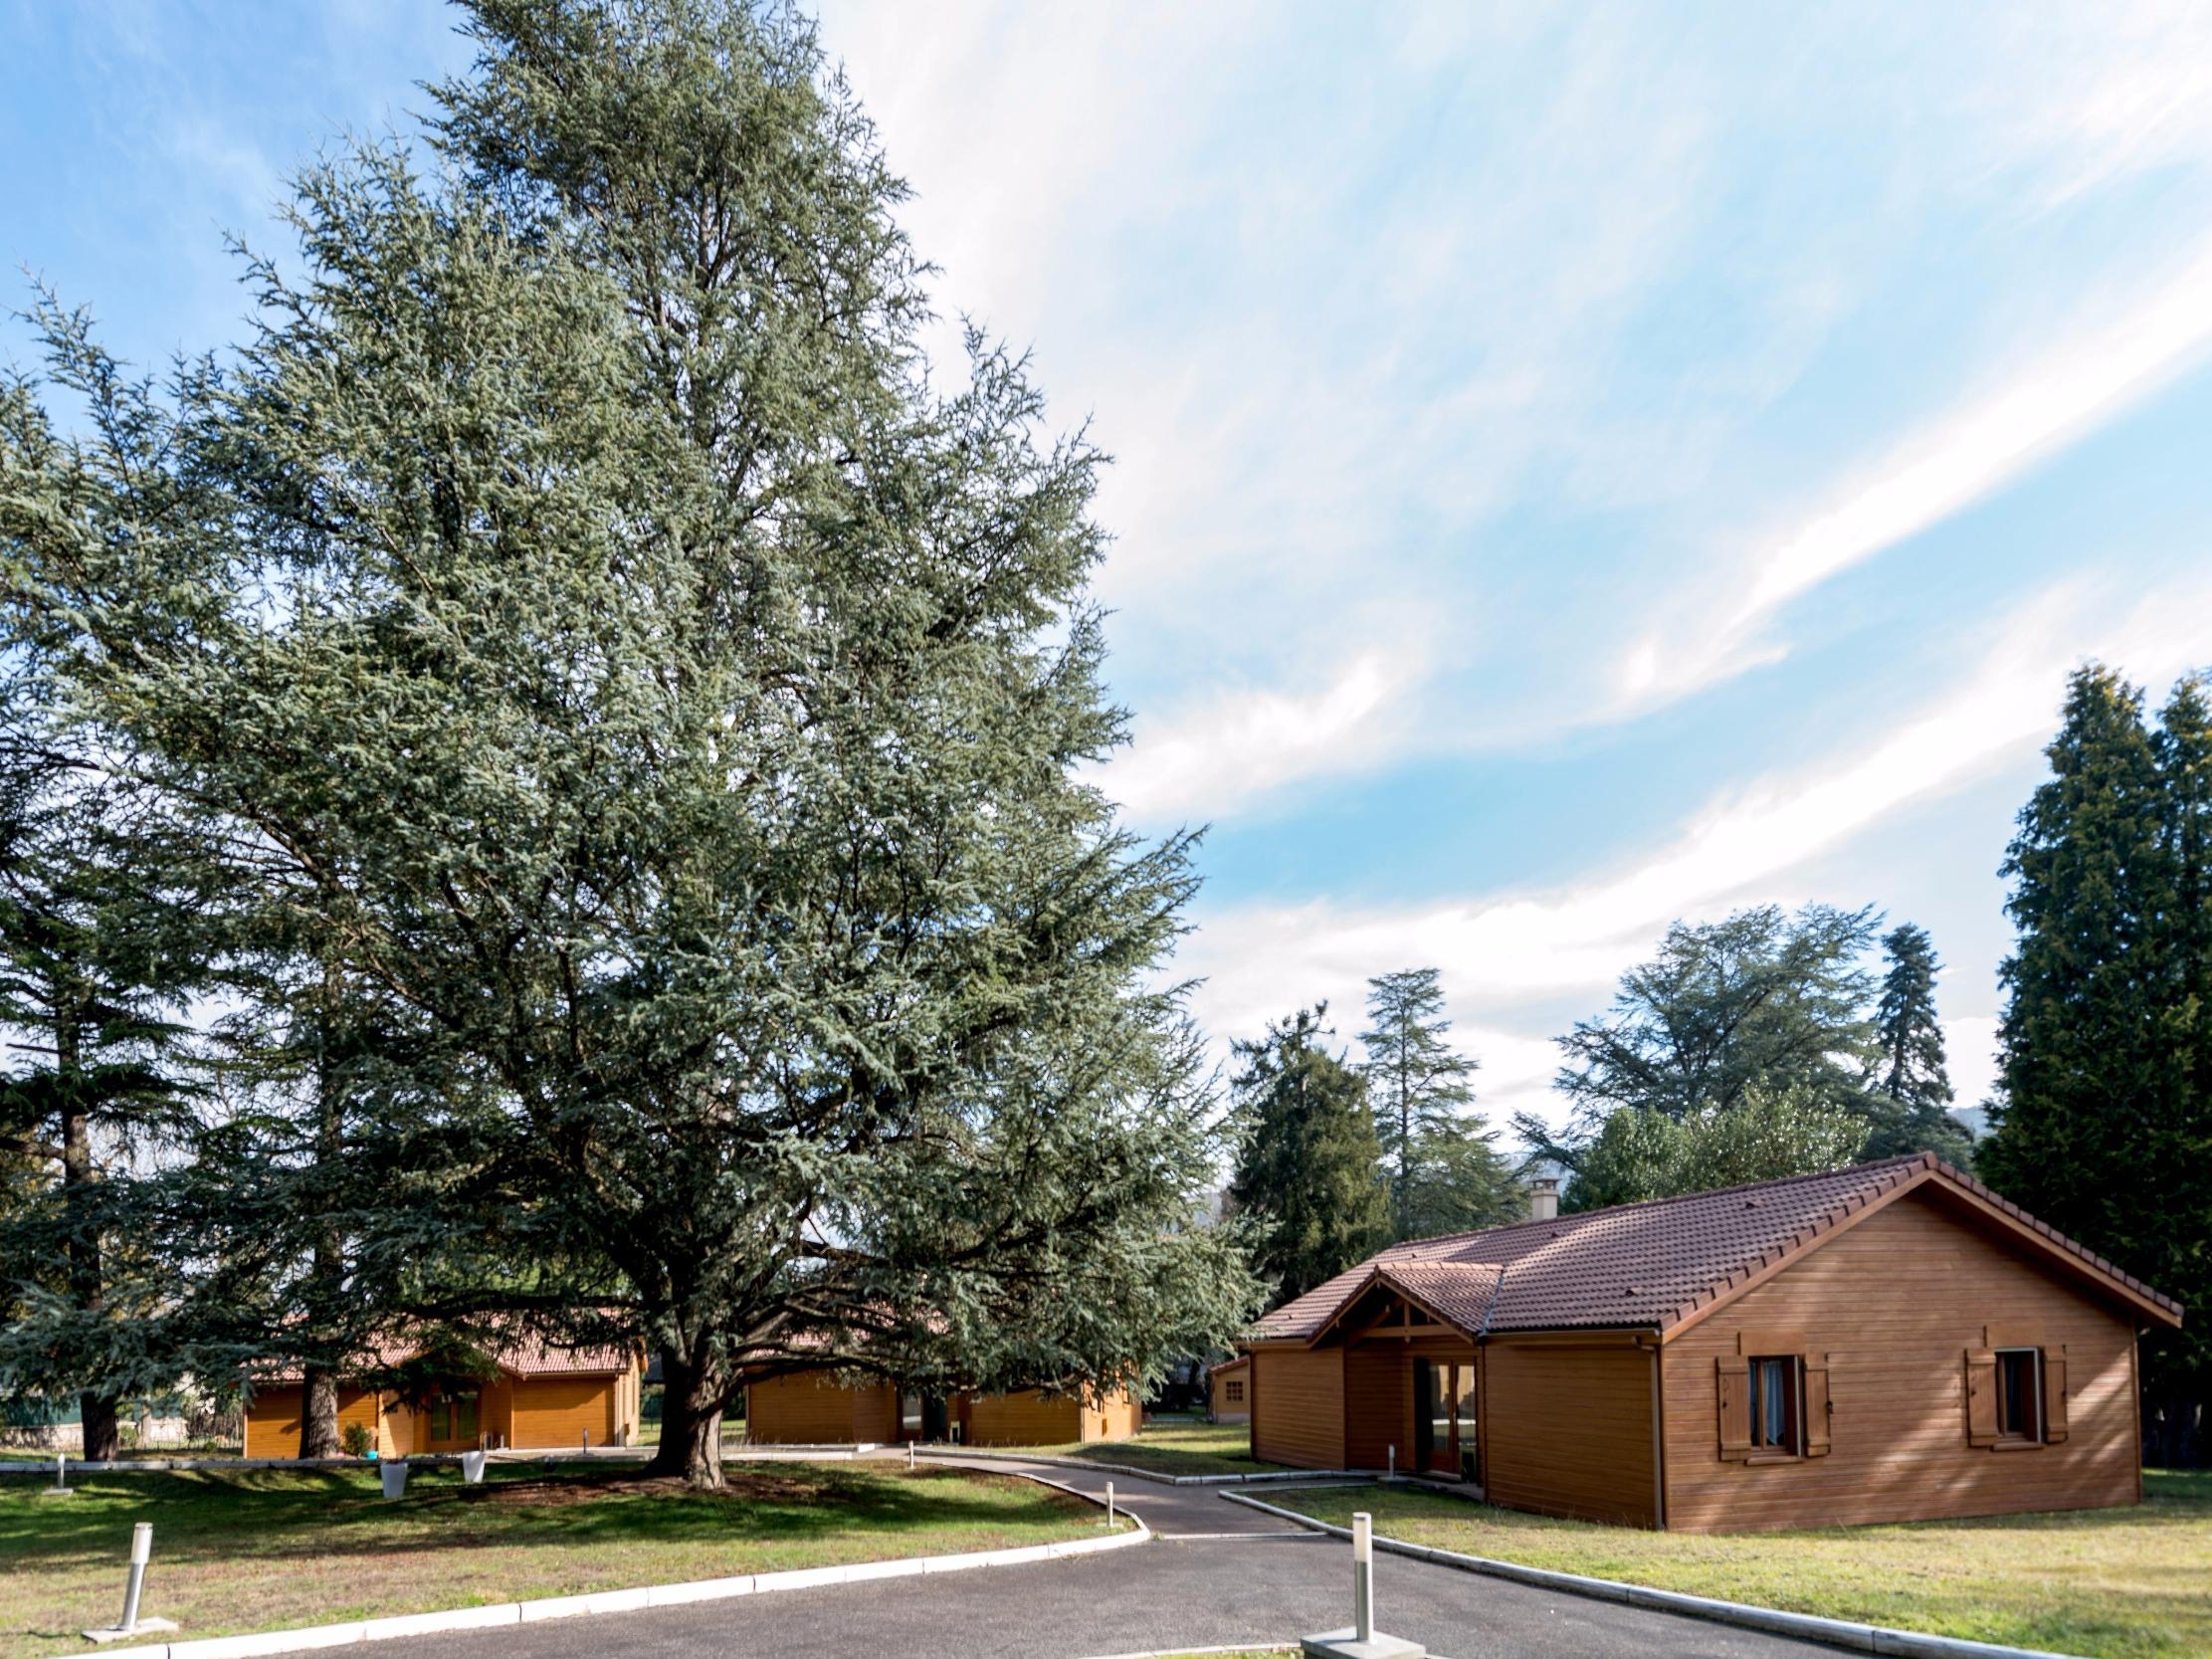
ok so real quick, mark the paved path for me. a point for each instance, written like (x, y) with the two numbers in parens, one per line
(1220, 1574)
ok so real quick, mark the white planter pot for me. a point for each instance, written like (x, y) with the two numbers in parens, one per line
(472, 1467)
(394, 1472)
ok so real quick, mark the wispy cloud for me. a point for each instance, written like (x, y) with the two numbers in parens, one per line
(2126, 349)
(1531, 951)
(1236, 746)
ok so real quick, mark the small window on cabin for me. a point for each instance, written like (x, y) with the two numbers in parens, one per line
(1777, 1405)
(2020, 1394)
(1235, 1390)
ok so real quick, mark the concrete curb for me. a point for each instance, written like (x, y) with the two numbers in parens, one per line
(507, 1454)
(1292, 1477)
(634, 1600)
(1836, 1632)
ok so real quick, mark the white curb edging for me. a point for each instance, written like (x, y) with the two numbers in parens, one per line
(634, 1600)
(1836, 1632)
(1296, 1477)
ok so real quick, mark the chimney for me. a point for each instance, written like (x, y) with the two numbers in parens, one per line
(1543, 1198)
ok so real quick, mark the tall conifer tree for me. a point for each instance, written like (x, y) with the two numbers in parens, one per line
(1308, 1168)
(1912, 1084)
(2101, 1128)
(579, 601)
(1445, 1173)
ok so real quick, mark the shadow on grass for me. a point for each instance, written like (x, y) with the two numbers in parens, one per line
(276, 1515)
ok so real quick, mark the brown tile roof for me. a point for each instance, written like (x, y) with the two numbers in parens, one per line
(1648, 1264)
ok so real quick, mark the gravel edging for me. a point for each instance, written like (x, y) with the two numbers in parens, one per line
(1836, 1632)
(303, 1637)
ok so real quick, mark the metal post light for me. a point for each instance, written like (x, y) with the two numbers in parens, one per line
(130, 1624)
(1361, 1642)
(1363, 1576)
(142, 1551)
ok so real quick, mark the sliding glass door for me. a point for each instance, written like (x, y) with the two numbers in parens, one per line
(1445, 1431)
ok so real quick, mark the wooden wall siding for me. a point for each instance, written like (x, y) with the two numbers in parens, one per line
(1298, 1406)
(1116, 1417)
(558, 1411)
(1025, 1420)
(1378, 1404)
(272, 1423)
(1894, 1303)
(1568, 1428)
(812, 1409)
(1226, 1410)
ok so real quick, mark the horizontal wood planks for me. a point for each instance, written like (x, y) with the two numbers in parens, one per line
(1894, 1303)
(1378, 1404)
(1297, 1408)
(1568, 1428)
(273, 1422)
(812, 1409)
(560, 1410)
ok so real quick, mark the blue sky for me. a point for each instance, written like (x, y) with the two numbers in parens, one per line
(1576, 467)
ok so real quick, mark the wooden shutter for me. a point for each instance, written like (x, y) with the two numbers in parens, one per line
(2054, 1397)
(1814, 1370)
(1731, 1379)
(1981, 1396)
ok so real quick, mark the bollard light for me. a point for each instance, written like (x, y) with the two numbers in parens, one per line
(1393, 1460)
(1363, 1576)
(1109, 1506)
(1361, 1642)
(130, 1624)
(142, 1551)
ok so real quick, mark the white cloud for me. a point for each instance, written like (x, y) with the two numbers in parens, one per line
(1509, 960)
(2127, 350)
(1970, 1056)
(1236, 746)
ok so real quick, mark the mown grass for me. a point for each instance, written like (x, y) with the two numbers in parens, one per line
(260, 1550)
(1172, 1447)
(2121, 1583)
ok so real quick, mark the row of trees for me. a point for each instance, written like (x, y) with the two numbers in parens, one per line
(2102, 1122)
(1338, 1157)
(543, 787)
(1751, 1048)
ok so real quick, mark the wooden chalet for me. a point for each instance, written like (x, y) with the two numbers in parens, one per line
(539, 1398)
(817, 1409)
(1888, 1343)
(1229, 1390)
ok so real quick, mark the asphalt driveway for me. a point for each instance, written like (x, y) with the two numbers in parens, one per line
(1218, 1575)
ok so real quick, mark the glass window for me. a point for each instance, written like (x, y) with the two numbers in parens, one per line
(1235, 1390)
(2020, 1394)
(1774, 1404)
(465, 1417)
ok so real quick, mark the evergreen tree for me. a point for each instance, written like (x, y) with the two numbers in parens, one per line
(1640, 1154)
(2100, 1128)
(1445, 1173)
(579, 602)
(1308, 1163)
(96, 1089)
(1912, 1087)
(1762, 1001)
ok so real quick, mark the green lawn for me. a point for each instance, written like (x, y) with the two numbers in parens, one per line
(2125, 1584)
(260, 1550)
(1173, 1447)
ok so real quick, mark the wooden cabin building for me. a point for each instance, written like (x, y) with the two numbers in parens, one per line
(539, 1398)
(1229, 1390)
(816, 1409)
(1888, 1343)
